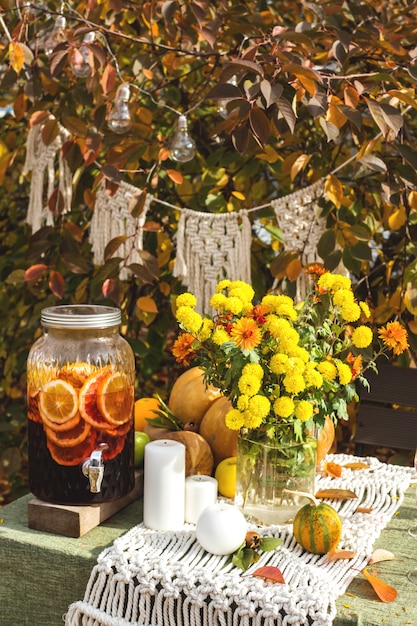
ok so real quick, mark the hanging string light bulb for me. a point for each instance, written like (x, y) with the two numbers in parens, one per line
(182, 147)
(222, 104)
(80, 64)
(55, 36)
(119, 119)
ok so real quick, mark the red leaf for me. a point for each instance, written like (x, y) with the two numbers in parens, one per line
(34, 272)
(175, 176)
(57, 284)
(270, 574)
(108, 80)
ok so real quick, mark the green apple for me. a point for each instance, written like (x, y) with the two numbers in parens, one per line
(141, 439)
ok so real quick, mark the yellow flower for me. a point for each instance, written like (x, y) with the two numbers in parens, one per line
(294, 383)
(254, 369)
(258, 408)
(362, 337)
(351, 312)
(294, 365)
(341, 282)
(299, 352)
(222, 284)
(246, 334)
(344, 372)
(286, 311)
(218, 301)
(190, 319)
(327, 369)
(326, 281)
(220, 336)
(277, 326)
(241, 290)
(289, 341)
(394, 336)
(249, 385)
(284, 406)
(313, 378)
(233, 304)
(304, 410)
(277, 363)
(242, 402)
(234, 419)
(186, 299)
(343, 297)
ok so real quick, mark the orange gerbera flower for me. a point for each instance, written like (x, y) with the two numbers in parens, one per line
(246, 334)
(184, 349)
(356, 363)
(394, 336)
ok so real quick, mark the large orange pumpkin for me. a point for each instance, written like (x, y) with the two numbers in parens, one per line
(222, 440)
(190, 399)
(198, 454)
(325, 439)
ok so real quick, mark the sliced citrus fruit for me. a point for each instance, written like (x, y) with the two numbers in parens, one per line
(58, 401)
(118, 431)
(75, 454)
(71, 437)
(115, 398)
(76, 373)
(68, 425)
(88, 399)
(33, 406)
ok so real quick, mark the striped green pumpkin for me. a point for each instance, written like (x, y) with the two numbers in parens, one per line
(317, 528)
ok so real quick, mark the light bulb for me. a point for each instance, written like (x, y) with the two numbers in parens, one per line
(182, 147)
(55, 36)
(222, 105)
(119, 120)
(81, 67)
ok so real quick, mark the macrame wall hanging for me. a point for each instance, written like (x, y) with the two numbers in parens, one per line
(41, 162)
(301, 226)
(112, 218)
(211, 247)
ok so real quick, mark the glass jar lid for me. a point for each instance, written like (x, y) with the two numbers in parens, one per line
(80, 316)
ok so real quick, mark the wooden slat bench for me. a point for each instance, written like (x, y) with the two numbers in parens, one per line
(387, 414)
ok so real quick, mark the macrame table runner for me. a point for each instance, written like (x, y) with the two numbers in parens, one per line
(153, 578)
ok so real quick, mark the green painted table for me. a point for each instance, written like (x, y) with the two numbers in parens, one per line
(42, 573)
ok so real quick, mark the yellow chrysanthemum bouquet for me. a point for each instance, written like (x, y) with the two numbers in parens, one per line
(284, 366)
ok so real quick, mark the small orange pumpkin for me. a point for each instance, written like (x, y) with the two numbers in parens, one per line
(317, 527)
(190, 398)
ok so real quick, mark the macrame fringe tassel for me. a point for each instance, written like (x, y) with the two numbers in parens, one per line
(40, 161)
(112, 218)
(211, 248)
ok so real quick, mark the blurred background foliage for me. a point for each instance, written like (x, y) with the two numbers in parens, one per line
(277, 96)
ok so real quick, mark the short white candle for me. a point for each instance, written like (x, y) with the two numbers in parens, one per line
(200, 492)
(221, 528)
(164, 485)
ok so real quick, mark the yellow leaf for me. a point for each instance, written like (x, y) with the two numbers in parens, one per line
(397, 218)
(385, 592)
(364, 509)
(336, 494)
(293, 269)
(357, 465)
(333, 189)
(332, 469)
(147, 304)
(238, 195)
(334, 114)
(336, 554)
(412, 200)
(17, 56)
(300, 164)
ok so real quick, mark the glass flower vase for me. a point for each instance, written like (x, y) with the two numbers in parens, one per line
(269, 474)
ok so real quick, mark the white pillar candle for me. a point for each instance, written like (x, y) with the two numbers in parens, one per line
(164, 485)
(200, 492)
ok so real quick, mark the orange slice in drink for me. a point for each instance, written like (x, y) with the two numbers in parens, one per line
(114, 445)
(68, 425)
(71, 437)
(75, 454)
(88, 399)
(115, 399)
(76, 373)
(58, 401)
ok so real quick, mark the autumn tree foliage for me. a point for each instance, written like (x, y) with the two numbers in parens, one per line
(277, 95)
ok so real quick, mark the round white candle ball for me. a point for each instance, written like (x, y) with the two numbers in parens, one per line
(221, 528)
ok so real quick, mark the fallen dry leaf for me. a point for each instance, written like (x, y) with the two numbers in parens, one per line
(381, 555)
(385, 592)
(363, 509)
(270, 574)
(336, 494)
(332, 469)
(338, 553)
(357, 465)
